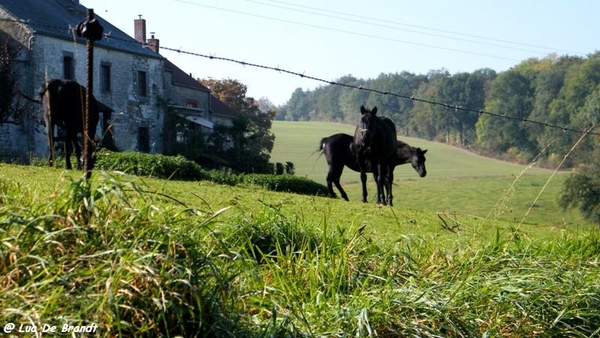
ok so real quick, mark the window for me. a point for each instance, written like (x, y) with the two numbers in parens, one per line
(191, 103)
(105, 77)
(68, 67)
(142, 84)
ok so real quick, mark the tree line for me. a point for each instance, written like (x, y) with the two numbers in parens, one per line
(556, 90)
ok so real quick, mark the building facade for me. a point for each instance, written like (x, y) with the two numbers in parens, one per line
(141, 87)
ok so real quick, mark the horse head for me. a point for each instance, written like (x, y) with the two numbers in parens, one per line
(367, 127)
(418, 161)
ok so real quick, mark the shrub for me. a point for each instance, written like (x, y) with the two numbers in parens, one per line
(224, 176)
(160, 166)
(286, 183)
(180, 168)
(582, 191)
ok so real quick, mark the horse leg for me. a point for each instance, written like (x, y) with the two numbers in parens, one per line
(330, 192)
(50, 132)
(329, 179)
(331, 175)
(389, 183)
(376, 180)
(363, 180)
(382, 182)
(341, 190)
(77, 153)
(68, 151)
(336, 174)
(380, 179)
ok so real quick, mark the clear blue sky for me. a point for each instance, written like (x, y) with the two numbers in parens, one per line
(330, 39)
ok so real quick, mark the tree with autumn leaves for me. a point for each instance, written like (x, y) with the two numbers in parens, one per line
(247, 143)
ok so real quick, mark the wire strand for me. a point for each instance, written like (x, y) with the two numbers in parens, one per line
(412, 98)
(334, 83)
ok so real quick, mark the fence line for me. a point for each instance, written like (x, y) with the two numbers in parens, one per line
(412, 97)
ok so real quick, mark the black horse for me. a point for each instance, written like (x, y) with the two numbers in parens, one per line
(63, 106)
(374, 144)
(338, 153)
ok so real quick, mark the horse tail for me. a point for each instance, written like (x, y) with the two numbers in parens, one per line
(321, 148)
(322, 144)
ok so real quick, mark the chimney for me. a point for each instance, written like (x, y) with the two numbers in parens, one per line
(140, 29)
(153, 43)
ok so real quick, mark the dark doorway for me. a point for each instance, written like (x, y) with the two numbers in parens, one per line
(144, 140)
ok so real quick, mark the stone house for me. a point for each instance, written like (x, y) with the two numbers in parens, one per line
(191, 110)
(127, 76)
(130, 76)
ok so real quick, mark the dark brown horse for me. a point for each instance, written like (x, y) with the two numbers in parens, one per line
(338, 153)
(63, 105)
(374, 144)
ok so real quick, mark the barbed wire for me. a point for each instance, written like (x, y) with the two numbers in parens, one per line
(455, 107)
(412, 97)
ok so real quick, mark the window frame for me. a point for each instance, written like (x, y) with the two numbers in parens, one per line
(142, 83)
(106, 77)
(68, 64)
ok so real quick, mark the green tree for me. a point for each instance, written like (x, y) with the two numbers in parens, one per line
(421, 124)
(582, 190)
(510, 95)
(431, 121)
(474, 93)
(248, 141)
(350, 102)
(392, 106)
(575, 107)
(327, 107)
(548, 84)
(297, 107)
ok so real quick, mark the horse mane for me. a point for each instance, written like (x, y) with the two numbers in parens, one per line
(407, 146)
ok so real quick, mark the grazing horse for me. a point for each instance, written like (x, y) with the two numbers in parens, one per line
(63, 105)
(374, 144)
(338, 153)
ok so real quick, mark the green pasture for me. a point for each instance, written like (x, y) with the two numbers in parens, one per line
(142, 257)
(458, 182)
(145, 257)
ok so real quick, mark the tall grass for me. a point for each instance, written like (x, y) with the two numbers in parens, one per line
(138, 264)
(107, 254)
